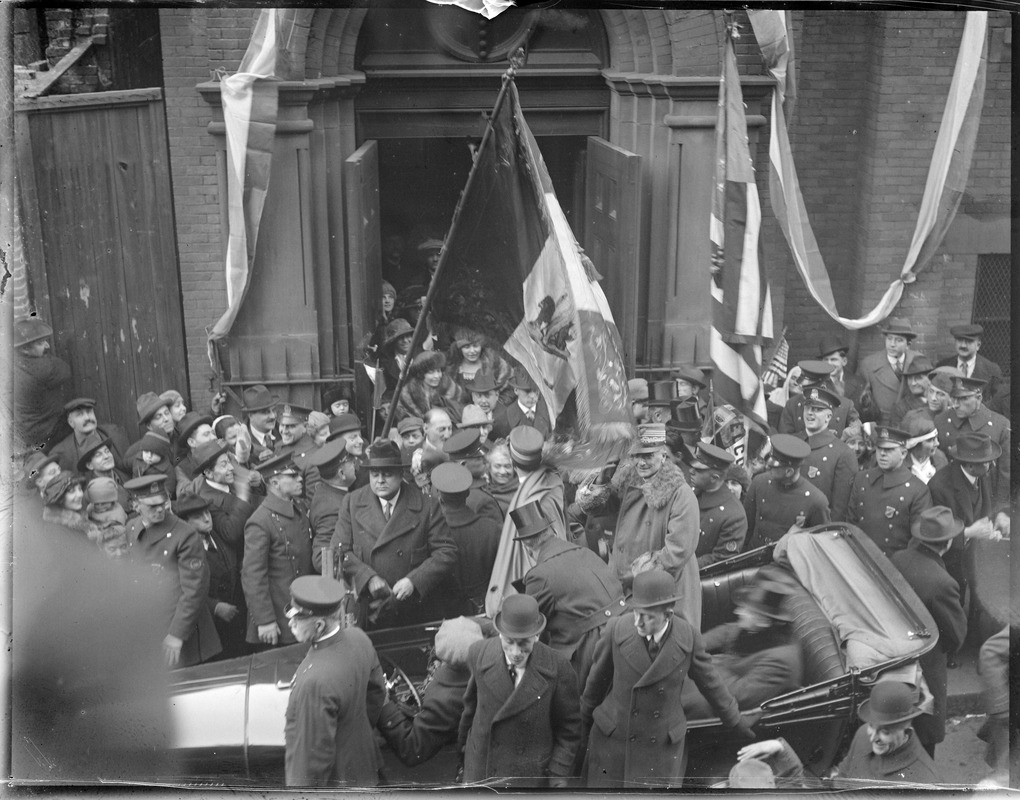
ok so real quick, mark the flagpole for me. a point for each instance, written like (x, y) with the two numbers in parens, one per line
(516, 62)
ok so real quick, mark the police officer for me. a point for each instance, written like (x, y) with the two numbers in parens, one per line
(831, 464)
(816, 374)
(173, 549)
(780, 498)
(465, 448)
(330, 494)
(723, 521)
(886, 501)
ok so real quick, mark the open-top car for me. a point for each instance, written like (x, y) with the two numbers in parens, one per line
(855, 617)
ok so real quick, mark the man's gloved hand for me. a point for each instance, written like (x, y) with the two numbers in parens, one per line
(743, 730)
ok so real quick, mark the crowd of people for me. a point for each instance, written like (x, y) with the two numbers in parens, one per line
(578, 586)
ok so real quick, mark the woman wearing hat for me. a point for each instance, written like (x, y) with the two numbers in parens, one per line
(470, 355)
(65, 505)
(428, 387)
(520, 725)
(395, 350)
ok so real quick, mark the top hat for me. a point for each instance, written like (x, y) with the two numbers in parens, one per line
(973, 447)
(820, 398)
(661, 393)
(692, 375)
(29, 330)
(280, 464)
(651, 436)
(938, 525)
(890, 703)
(897, 326)
(965, 387)
(59, 486)
(191, 421)
(258, 398)
(830, 345)
(314, 596)
(78, 402)
(205, 455)
(519, 617)
(482, 382)
(463, 444)
(345, 423)
(150, 489)
(709, 456)
(450, 478)
(788, 449)
(529, 520)
(767, 597)
(190, 504)
(148, 404)
(472, 417)
(814, 371)
(687, 415)
(890, 437)
(522, 380)
(918, 365)
(526, 446)
(653, 588)
(408, 424)
(638, 389)
(92, 444)
(101, 490)
(384, 454)
(397, 328)
(966, 331)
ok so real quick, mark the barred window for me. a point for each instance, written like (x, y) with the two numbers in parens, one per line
(991, 307)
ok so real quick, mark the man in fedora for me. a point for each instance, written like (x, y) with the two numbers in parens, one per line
(260, 412)
(214, 483)
(633, 718)
(970, 362)
(485, 393)
(915, 391)
(756, 656)
(154, 452)
(834, 349)
(395, 547)
(173, 549)
(970, 414)
(922, 565)
(41, 382)
(338, 694)
(882, 372)
(831, 464)
(886, 501)
(396, 350)
(529, 408)
(97, 462)
(474, 417)
(277, 549)
(781, 499)
(575, 589)
(816, 375)
(723, 520)
(194, 429)
(520, 726)
(80, 413)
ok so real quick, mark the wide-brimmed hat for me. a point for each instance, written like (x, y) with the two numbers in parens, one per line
(638, 389)
(651, 436)
(830, 345)
(482, 382)
(897, 326)
(653, 588)
(191, 421)
(258, 398)
(973, 447)
(526, 446)
(29, 330)
(473, 417)
(661, 393)
(890, 703)
(92, 443)
(397, 328)
(148, 404)
(692, 375)
(205, 455)
(938, 525)
(529, 520)
(522, 380)
(519, 617)
(918, 365)
(966, 331)
(768, 598)
(384, 454)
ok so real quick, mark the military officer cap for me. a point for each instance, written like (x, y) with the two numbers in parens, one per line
(314, 596)
(463, 444)
(966, 331)
(651, 437)
(526, 446)
(817, 397)
(79, 402)
(638, 389)
(482, 382)
(450, 478)
(281, 464)
(291, 414)
(710, 456)
(965, 387)
(886, 436)
(327, 456)
(345, 423)
(205, 455)
(408, 424)
(190, 505)
(815, 371)
(788, 450)
(148, 489)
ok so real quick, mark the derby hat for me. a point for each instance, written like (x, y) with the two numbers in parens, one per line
(897, 326)
(205, 455)
(482, 382)
(767, 597)
(384, 454)
(653, 588)
(938, 525)
(709, 456)
(966, 331)
(650, 438)
(890, 703)
(830, 345)
(918, 365)
(638, 389)
(408, 424)
(191, 421)
(661, 393)
(258, 398)
(526, 446)
(29, 330)
(529, 520)
(148, 404)
(972, 447)
(92, 444)
(450, 478)
(522, 380)
(519, 617)
(694, 376)
(397, 328)
(463, 444)
(473, 417)
(314, 596)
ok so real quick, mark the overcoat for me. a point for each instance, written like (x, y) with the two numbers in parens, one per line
(772, 508)
(277, 549)
(830, 466)
(322, 515)
(885, 505)
(507, 417)
(723, 526)
(884, 383)
(67, 452)
(477, 541)
(524, 735)
(984, 370)
(632, 707)
(994, 426)
(229, 514)
(861, 768)
(338, 693)
(41, 387)
(791, 420)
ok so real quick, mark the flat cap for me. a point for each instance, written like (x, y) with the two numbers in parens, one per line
(79, 402)
(408, 424)
(966, 331)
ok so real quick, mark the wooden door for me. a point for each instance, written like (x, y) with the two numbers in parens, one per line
(612, 218)
(103, 255)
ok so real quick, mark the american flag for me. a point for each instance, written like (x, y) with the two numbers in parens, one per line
(775, 373)
(741, 301)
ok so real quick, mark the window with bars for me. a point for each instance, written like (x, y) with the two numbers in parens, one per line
(991, 307)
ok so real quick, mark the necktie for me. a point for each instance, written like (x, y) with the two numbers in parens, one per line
(898, 367)
(530, 415)
(513, 674)
(387, 509)
(964, 367)
(653, 647)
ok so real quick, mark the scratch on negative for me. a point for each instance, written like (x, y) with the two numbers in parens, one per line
(7, 272)
(38, 754)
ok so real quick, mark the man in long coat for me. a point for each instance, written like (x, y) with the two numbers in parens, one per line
(521, 725)
(398, 554)
(631, 704)
(831, 464)
(921, 564)
(883, 371)
(723, 520)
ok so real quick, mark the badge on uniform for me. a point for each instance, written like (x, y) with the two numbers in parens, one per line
(813, 472)
(890, 512)
(195, 564)
(731, 547)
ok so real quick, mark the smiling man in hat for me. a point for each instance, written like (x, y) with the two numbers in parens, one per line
(831, 464)
(520, 726)
(883, 371)
(395, 547)
(277, 549)
(970, 362)
(173, 549)
(81, 418)
(484, 392)
(915, 390)
(816, 375)
(338, 694)
(631, 708)
(528, 409)
(260, 413)
(723, 520)
(922, 566)
(834, 349)
(41, 381)
(215, 484)
(193, 429)
(886, 501)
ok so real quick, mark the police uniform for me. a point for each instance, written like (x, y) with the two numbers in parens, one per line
(773, 508)
(831, 464)
(886, 504)
(723, 521)
(174, 551)
(816, 376)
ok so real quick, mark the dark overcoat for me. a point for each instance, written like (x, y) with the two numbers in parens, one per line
(886, 505)
(723, 526)
(862, 769)
(831, 466)
(322, 514)
(477, 541)
(996, 427)
(229, 514)
(772, 508)
(67, 452)
(884, 383)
